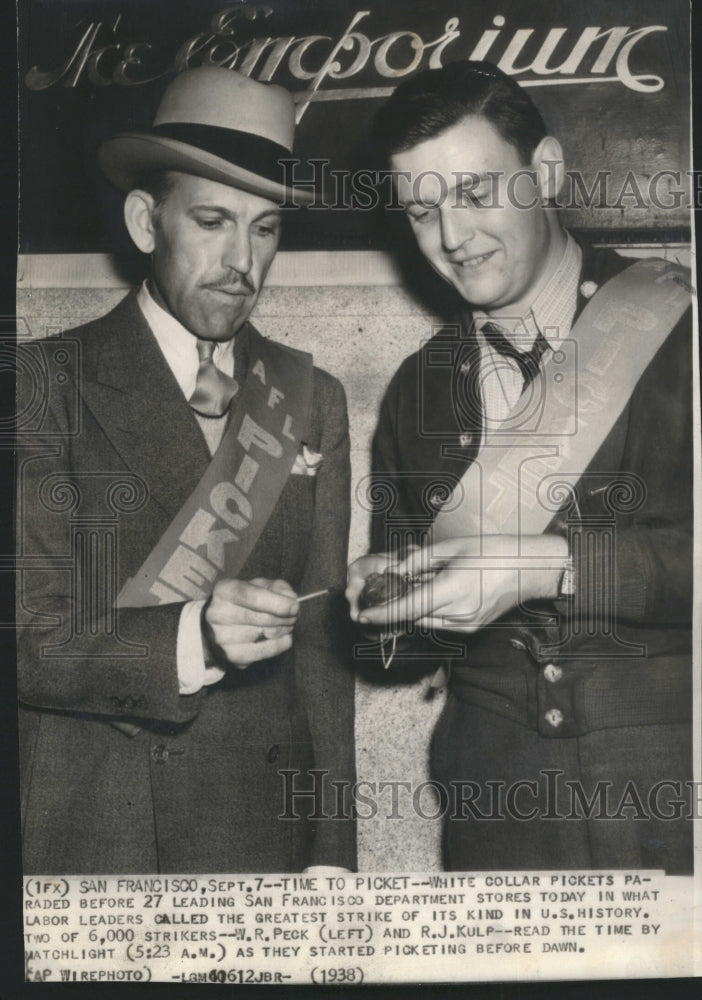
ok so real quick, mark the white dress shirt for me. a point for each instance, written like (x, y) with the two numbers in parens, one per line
(551, 314)
(179, 348)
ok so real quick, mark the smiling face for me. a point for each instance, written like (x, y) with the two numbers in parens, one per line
(212, 246)
(466, 194)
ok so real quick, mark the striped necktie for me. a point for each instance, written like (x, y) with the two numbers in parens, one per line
(528, 362)
(214, 390)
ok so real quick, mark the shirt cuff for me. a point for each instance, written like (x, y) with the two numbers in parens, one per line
(193, 674)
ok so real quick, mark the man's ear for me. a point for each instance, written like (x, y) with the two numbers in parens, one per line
(139, 218)
(547, 161)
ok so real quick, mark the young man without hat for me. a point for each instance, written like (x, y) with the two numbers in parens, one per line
(536, 462)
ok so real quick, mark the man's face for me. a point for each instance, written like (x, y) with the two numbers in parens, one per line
(213, 245)
(493, 256)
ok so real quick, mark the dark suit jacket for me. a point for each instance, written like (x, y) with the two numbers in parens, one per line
(199, 788)
(502, 669)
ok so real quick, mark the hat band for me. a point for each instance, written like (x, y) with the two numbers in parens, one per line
(254, 153)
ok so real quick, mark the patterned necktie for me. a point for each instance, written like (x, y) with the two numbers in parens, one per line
(214, 390)
(528, 362)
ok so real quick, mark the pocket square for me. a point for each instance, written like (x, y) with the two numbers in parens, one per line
(307, 462)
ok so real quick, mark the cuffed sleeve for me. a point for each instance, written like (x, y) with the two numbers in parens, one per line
(76, 650)
(193, 672)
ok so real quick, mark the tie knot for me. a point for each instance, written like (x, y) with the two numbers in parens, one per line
(528, 362)
(494, 333)
(214, 389)
(205, 349)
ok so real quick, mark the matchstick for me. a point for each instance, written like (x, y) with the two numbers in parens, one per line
(315, 593)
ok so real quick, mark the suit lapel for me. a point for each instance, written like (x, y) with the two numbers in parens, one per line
(137, 401)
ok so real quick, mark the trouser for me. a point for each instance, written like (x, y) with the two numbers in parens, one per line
(614, 798)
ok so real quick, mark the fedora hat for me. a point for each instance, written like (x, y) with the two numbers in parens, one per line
(214, 123)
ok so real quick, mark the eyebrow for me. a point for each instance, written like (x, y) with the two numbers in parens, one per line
(469, 178)
(207, 207)
(274, 212)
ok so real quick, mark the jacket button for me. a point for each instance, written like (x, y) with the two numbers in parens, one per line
(465, 440)
(273, 753)
(517, 644)
(159, 753)
(554, 717)
(552, 673)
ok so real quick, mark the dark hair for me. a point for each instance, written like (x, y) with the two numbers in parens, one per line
(436, 99)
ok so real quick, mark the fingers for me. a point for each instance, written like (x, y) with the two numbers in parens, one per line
(241, 653)
(395, 613)
(421, 561)
(257, 603)
(278, 587)
(431, 558)
(358, 572)
(273, 631)
(251, 620)
(233, 634)
(352, 593)
(439, 593)
(448, 624)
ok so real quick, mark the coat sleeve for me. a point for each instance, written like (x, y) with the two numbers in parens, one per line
(73, 654)
(323, 645)
(413, 655)
(385, 463)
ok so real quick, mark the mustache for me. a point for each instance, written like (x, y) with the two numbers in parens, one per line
(243, 284)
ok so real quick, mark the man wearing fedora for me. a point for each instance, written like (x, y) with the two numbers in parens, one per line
(535, 459)
(185, 483)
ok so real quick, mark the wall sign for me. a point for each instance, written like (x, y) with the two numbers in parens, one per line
(612, 82)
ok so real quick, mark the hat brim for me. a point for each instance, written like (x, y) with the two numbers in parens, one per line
(126, 156)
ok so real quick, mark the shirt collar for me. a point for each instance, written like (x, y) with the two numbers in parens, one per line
(178, 345)
(552, 311)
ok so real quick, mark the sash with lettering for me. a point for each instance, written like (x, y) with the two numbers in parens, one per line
(218, 526)
(560, 421)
